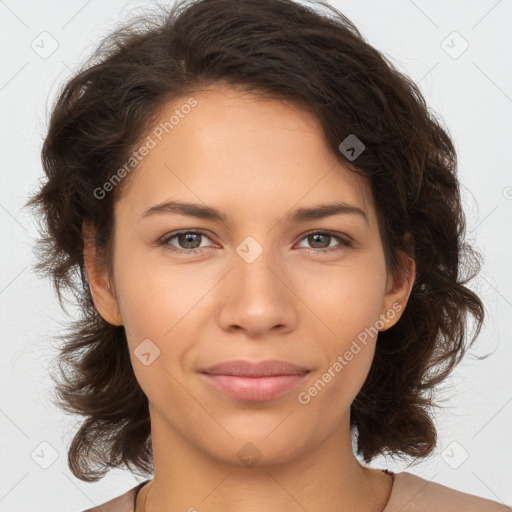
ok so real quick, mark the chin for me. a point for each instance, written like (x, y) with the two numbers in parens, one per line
(257, 446)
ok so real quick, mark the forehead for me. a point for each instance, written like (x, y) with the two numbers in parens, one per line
(237, 149)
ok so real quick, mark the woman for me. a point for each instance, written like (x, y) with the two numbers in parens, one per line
(267, 222)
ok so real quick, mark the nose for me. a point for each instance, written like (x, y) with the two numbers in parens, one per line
(258, 296)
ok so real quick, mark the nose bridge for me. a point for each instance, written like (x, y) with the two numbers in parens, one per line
(255, 267)
(257, 297)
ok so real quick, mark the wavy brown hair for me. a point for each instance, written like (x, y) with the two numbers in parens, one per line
(311, 55)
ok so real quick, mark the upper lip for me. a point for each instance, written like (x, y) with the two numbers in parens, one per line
(244, 368)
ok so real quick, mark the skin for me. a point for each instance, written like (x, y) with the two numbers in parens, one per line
(256, 160)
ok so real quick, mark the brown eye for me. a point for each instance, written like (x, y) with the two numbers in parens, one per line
(320, 241)
(188, 242)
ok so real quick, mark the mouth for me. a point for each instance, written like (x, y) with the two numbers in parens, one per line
(250, 381)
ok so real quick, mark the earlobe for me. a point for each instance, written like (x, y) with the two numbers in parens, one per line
(398, 292)
(102, 292)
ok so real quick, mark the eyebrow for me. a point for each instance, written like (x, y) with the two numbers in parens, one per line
(299, 215)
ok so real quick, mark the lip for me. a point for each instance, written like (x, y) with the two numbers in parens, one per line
(254, 381)
(245, 368)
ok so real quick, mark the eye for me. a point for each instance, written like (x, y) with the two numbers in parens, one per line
(191, 240)
(320, 241)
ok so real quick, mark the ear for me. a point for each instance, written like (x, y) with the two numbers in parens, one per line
(102, 290)
(398, 290)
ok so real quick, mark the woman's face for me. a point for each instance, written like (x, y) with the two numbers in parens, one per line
(264, 283)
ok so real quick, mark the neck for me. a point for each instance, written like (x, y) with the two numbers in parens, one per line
(327, 478)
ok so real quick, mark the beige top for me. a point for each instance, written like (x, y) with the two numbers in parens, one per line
(410, 493)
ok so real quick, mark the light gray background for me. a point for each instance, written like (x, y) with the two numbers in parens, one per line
(472, 93)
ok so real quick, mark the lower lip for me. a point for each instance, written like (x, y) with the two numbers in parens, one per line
(257, 389)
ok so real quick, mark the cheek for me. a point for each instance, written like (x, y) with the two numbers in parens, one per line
(347, 356)
(156, 299)
(347, 299)
(348, 303)
(162, 312)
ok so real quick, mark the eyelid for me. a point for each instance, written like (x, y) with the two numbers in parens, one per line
(335, 234)
(172, 234)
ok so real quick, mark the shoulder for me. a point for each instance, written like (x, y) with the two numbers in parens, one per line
(123, 503)
(412, 493)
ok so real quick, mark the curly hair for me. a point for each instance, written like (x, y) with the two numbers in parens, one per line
(279, 49)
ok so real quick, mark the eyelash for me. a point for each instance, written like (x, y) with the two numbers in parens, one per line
(344, 243)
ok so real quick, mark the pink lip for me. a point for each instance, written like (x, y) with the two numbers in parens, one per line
(260, 381)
